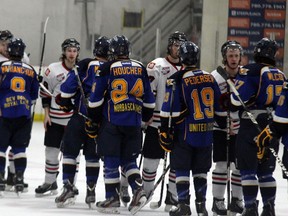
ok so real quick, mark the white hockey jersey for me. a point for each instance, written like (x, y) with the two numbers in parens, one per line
(54, 76)
(235, 121)
(158, 71)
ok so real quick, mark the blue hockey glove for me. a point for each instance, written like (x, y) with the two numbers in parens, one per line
(91, 129)
(166, 140)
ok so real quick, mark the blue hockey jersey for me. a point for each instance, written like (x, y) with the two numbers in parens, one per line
(195, 90)
(18, 89)
(122, 92)
(70, 88)
(259, 85)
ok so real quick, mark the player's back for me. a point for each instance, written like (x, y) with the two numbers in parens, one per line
(19, 87)
(128, 91)
(199, 90)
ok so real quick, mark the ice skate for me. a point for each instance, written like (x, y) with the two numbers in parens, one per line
(236, 206)
(2, 184)
(109, 206)
(138, 201)
(218, 207)
(90, 194)
(19, 182)
(268, 209)
(67, 197)
(201, 209)
(182, 209)
(124, 195)
(10, 182)
(169, 201)
(46, 189)
(251, 210)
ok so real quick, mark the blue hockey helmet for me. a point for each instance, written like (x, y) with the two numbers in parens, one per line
(120, 46)
(70, 42)
(16, 48)
(5, 35)
(266, 48)
(101, 47)
(189, 53)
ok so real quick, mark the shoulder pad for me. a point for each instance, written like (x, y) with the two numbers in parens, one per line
(243, 71)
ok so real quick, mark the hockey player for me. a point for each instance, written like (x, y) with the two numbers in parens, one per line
(5, 37)
(187, 118)
(55, 119)
(18, 92)
(231, 53)
(159, 70)
(121, 96)
(259, 85)
(75, 137)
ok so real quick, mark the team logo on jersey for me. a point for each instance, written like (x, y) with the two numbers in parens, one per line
(60, 77)
(243, 71)
(47, 72)
(151, 65)
(165, 70)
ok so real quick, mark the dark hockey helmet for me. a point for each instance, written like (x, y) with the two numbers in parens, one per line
(266, 48)
(101, 47)
(120, 46)
(16, 48)
(70, 42)
(175, 37)
(189, 53)
(231, 44)
(6, 35)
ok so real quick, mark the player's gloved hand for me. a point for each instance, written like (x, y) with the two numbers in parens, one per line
(40, 78)
(65, 104)
(224, 101)
(91, 129)
(263, 141)
(166, 140)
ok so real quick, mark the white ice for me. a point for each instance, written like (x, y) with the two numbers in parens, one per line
(28, 205)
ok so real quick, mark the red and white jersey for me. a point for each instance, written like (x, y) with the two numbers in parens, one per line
(54, 76)
(234, 117)
(158, 71)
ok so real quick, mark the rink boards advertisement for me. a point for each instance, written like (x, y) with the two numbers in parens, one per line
(251, 20)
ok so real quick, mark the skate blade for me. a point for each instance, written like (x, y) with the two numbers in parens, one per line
(108, 210)
(135, 209)
(232, 214)
(68, 202)
(48, 193)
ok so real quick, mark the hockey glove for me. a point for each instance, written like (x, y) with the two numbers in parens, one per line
(91, 129)
(263, 140)
(224, 101)
(65, 104)
(166, 140)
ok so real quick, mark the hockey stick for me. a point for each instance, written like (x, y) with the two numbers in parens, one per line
(41, 61)
(155, 205)
(250, 115)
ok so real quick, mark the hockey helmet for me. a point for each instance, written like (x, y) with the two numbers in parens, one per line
(101, 47)
(16, 48)
(231, 44)
(175, 37)
(266, 48)
(120, 46)
(5, 35)
(70, 42)
(189, 53)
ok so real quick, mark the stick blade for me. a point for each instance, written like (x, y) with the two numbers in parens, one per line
(155, 205)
